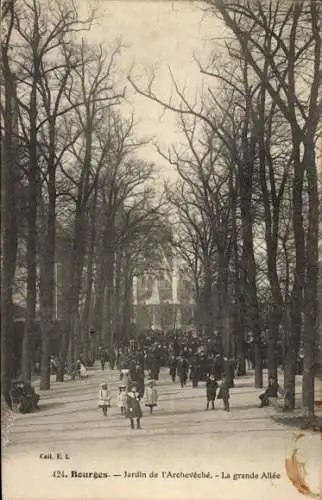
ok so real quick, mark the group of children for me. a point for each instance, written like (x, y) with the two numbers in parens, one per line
(129, 400)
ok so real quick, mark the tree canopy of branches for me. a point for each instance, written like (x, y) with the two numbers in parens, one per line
(255, 126)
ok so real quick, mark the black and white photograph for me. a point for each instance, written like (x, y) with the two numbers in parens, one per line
(161, 249)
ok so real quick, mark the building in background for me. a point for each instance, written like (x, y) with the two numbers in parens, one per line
(163, 297)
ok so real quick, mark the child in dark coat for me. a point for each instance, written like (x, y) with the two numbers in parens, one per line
(211, 386)
(133, 410)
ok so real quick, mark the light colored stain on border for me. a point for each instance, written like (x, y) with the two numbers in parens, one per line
(296, 471)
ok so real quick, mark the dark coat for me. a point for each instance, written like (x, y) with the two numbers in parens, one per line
(132, 369)
(211, 386)
(183, 368)
(224, 391)
(272, 390)
(173, 366)
(194, 372)
(133, 408)
(139, 379)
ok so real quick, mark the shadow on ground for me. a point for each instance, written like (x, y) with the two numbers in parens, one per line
(299, 422)
(50, 406)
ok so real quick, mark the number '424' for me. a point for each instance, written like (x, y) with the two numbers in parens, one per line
(59, 474)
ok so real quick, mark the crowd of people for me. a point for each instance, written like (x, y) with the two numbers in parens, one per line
(188, 359)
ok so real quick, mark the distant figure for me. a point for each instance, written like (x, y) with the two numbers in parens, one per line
(183, 368)
(139, 379)
(151, 395)
(211, 386)
(121, 398)
(224, 393)
(194, 374)
(104, 398)
(53, 365)
(231, 366)
(173, 368)
(125, 377)
(272, 391)
(112, 358)
(103, 358)
(133, 410)
(82, 370)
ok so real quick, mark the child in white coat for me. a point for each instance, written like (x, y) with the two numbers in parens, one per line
(104, 398)
(122, 398)
(151, 395)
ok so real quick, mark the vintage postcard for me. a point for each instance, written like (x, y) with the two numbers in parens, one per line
(161, 277)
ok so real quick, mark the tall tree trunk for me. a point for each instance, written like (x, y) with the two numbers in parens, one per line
(248, 264)
(85, 324)
(109, 292)
(310, 290)
(127, 299)
(119, 288)
(272, 344)
(207, 300)
(73, 293)
(47, 266)
(8, 226)
(296, 307)
(33, 197)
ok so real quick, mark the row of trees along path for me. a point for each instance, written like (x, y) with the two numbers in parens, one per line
(246, 202)
(244, 210)
(71, 176)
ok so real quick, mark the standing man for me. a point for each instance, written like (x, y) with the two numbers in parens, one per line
(103, 358)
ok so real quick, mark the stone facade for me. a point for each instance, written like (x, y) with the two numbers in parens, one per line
(163, 298)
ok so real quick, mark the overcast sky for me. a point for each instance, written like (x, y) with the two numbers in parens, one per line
(158, 35)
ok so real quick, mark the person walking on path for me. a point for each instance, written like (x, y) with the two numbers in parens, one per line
(231, 367)
(140, 380)
(211, 387)
(104, 398)
(151, 395)
(218, 367)
(173, 368)
(194, 373)
(122, 398)
(125, 377)
(103, 358)
(133, 409)
(112, 358)
(183, 371)
(224, 393)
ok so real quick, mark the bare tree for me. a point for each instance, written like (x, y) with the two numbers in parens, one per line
(42, 80)
(8, 198)
(292, 50)
(92, 94)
